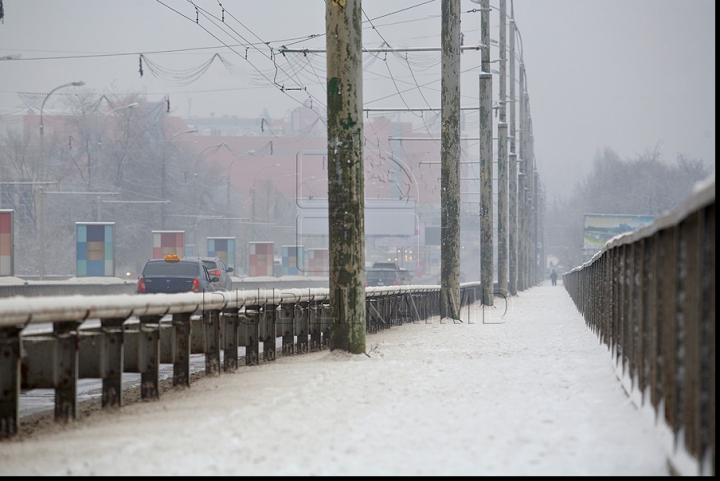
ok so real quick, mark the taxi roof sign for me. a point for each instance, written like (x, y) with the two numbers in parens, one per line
(171, 258)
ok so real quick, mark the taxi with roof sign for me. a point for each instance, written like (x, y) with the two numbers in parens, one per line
(172, 274)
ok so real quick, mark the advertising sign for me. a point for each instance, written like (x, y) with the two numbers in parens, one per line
(318, 262)
(261, 258)
(168, 242)
(222, 247)
(95, 249)
(7, 256)
(292, 261)
(600, 228)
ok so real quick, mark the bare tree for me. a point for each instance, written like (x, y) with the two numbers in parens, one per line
(644, 185)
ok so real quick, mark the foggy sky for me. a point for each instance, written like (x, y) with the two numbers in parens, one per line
(623, 74)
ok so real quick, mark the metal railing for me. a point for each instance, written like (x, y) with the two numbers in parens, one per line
(133, 336)
(650, 297)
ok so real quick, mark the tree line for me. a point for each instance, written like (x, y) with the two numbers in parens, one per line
(106, 160)
(642, 185)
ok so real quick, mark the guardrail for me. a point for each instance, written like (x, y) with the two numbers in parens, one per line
(132, 336)
(650, 296)
(93, 286)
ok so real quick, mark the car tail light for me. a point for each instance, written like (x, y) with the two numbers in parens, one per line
(216, 273)
(196, 285)
(141, 285)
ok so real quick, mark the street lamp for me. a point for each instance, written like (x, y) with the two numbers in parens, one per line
(274, 204)
(100, 140)
(71, 84)
(252, 190)
(227, 199)
(164, 175)
(128, 106)
(42, 159)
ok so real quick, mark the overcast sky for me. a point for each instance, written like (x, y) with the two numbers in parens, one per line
(623, 74)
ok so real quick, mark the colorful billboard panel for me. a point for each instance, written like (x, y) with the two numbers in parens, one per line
(292, 261)
(318, 262)
(224, 248)
(168, 242)
(95, 249)
(7, 260)
(600, 228)
(261, 258)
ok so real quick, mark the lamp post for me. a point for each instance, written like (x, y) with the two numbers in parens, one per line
(274, 204)
(227, 194)
(227, 200)
(42, 158)
(252, 190)
(71, 84)
(164, 176)
(129, 106)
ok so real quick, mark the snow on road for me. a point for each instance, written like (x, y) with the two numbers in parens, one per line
(530, 393)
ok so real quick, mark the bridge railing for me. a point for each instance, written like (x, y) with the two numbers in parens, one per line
(133, 336)
(650, 297)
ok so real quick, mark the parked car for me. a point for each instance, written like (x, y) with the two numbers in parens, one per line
(172, 274)
(386, 265)
(217, 268)
(405, 275)
(382, 277)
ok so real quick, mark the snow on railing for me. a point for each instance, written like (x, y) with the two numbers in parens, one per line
(650, 297)
(134, 337)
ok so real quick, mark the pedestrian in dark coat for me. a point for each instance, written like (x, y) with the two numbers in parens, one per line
(553, 277)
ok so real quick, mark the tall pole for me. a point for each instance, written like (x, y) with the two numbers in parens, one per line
(450, 161)
(513, 171)
(530, 166)
(42, 175)
(486, 161)
(502, 202)
(163, 179)
(41, 216)
(522, 182)
(346, 189)
(253, 190)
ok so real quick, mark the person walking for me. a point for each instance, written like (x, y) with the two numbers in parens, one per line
(553, 277)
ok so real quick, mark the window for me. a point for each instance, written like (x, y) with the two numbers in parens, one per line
(171, 269)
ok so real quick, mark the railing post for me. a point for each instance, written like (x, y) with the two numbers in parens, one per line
(181, 349)
(211, 326)
(66, 370)
(10, 380)
(230, 339)
(149, 357)
(114, 359)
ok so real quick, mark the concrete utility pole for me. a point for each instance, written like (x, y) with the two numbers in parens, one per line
(486, 161)
(502, 267)
(522, 237)
(346, 190)
(513, 171)
(450, 161)
(527, 194)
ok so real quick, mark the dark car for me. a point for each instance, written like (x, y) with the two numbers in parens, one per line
(382, 277)
(386, 265)
(172, 274)
(405, 274)
(217, 268)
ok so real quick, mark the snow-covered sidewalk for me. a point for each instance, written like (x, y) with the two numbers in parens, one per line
(530, 393)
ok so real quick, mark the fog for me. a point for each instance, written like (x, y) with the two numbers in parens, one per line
(605, 79)
(628, 75)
